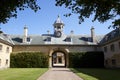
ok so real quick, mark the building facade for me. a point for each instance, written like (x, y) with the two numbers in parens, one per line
(58, 45)
(5, 50)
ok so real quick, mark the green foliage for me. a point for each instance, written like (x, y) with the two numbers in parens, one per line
(28, 60)
(102, 10)
(86, 59)
(9, 8)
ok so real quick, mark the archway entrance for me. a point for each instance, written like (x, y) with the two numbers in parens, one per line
(58, 59)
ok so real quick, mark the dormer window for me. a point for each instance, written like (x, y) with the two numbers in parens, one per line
(68, 39)
(48, 39)
(28, 39)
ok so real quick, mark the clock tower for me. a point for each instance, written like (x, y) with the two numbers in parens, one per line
(58, 27)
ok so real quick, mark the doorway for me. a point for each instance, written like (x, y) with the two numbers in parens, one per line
(58, 59)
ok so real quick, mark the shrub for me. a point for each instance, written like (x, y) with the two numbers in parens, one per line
(86, 59)
(28, 60)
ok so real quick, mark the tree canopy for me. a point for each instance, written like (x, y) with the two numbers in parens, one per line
(103, 10)
(9, 8)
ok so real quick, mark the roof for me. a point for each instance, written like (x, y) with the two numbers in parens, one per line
(113, 35)
(58, 21)
(5, 38)
(50, 39)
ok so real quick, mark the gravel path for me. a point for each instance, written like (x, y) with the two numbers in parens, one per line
(59, 74)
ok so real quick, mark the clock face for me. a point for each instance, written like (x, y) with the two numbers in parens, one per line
(58, 34)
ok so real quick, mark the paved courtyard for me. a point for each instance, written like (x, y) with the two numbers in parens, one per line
(59, 74)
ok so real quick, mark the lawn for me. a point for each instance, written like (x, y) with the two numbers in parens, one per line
(97, 74)
(21, 73)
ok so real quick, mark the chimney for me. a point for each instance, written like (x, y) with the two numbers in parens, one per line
(93, 34)
(25, 34)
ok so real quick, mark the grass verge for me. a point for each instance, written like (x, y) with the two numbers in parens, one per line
(97, 74)
(21, 73)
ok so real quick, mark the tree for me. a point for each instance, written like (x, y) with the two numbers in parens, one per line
(103, 10)
(9, 8)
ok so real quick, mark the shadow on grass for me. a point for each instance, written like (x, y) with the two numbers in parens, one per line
(98, 74)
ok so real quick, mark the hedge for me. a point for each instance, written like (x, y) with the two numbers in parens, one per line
(28, 60)
(86, 59)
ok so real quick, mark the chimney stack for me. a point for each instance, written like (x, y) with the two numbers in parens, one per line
(93, 34)
(25, 34)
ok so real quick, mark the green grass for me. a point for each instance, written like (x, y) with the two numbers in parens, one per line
(97, 74)
(21, 73)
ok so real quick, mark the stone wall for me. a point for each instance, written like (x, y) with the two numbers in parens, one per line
(112, 57)
(48, 48)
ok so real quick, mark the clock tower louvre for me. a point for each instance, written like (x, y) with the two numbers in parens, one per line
(58, 27)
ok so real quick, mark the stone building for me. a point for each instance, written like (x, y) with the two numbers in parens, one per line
(5, 50)
(58, 45)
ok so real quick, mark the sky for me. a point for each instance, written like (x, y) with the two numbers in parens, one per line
(40, 22)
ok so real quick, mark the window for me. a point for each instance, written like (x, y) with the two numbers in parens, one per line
(28, 39)
(0, 47)
(6, 63)
(7, 49)
(106, 62)
(112, 47)
(113, 62)
(68, 39)
(119, 45)
(105, 49)
(0, 62)
(48, 39)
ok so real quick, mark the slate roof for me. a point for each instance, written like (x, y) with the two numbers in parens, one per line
(50, 39)
(58, 20)
(5, 38)
(113, 35)
(65, 39)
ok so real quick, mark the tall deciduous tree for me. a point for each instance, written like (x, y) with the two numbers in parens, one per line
(103, 10)
(9, 8)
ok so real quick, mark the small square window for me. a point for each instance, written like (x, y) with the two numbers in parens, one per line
(106, 62)
(6, 63)
(7, 49)
(112, 47)
(113, 62)
(105, 49)
(119, 45)
(0, 62)
(1, 47)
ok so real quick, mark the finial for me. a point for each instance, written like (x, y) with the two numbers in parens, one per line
(48, 31)
(92, 27)
(72, 32)
(25, 27)
(58, 15)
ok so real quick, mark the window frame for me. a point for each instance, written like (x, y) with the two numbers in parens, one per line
(6, 62)
(7, 49)
(113, 61)
(105, 49)
(112, 47)
(1, 47)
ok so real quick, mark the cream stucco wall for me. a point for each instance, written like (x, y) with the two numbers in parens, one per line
(5, 55)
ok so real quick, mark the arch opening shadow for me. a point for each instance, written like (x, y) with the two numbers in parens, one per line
(59, 59)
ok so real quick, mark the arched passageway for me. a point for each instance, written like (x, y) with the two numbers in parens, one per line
(59, 59)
